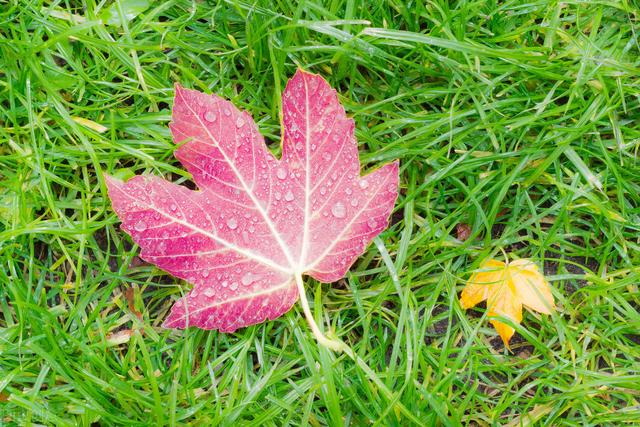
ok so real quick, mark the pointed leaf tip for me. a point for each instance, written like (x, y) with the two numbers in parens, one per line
(177, 87)
(111, 181)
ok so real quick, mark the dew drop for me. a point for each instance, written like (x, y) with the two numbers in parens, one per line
(338, 210)
(289, 196)
(205, 273)
(248, 279)
(372, 223)
(210, 116)
(240, 122)
(348, 191)
(281, 173)
(227, 111)
(277, 195)
(140, 226)
(354, 202)
(173, 207)
(225, 284)
(363, 184)
(209, 292)
(233, 286)
(326, 155)
(323, 190)
(251, 229)
(232, 223)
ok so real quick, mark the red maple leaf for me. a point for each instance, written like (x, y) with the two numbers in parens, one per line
(256, 224)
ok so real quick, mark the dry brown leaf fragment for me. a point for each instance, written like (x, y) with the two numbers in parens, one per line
(463, 231)
(129, 296)
(506, 288)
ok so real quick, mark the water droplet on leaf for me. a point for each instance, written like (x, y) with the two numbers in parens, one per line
(248, 279)
(210, 116)
(289, 196)
(338, 210)
(232, 223)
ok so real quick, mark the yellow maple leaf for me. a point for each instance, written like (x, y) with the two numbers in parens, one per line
(506, 288)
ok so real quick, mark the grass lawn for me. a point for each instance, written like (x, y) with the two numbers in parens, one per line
(517, 127)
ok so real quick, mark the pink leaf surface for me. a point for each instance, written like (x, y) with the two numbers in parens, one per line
(256, 222)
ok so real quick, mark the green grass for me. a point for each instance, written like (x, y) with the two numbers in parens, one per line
(518, 119)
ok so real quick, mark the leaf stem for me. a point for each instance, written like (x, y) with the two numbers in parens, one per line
(338, 345)
(333, 344)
